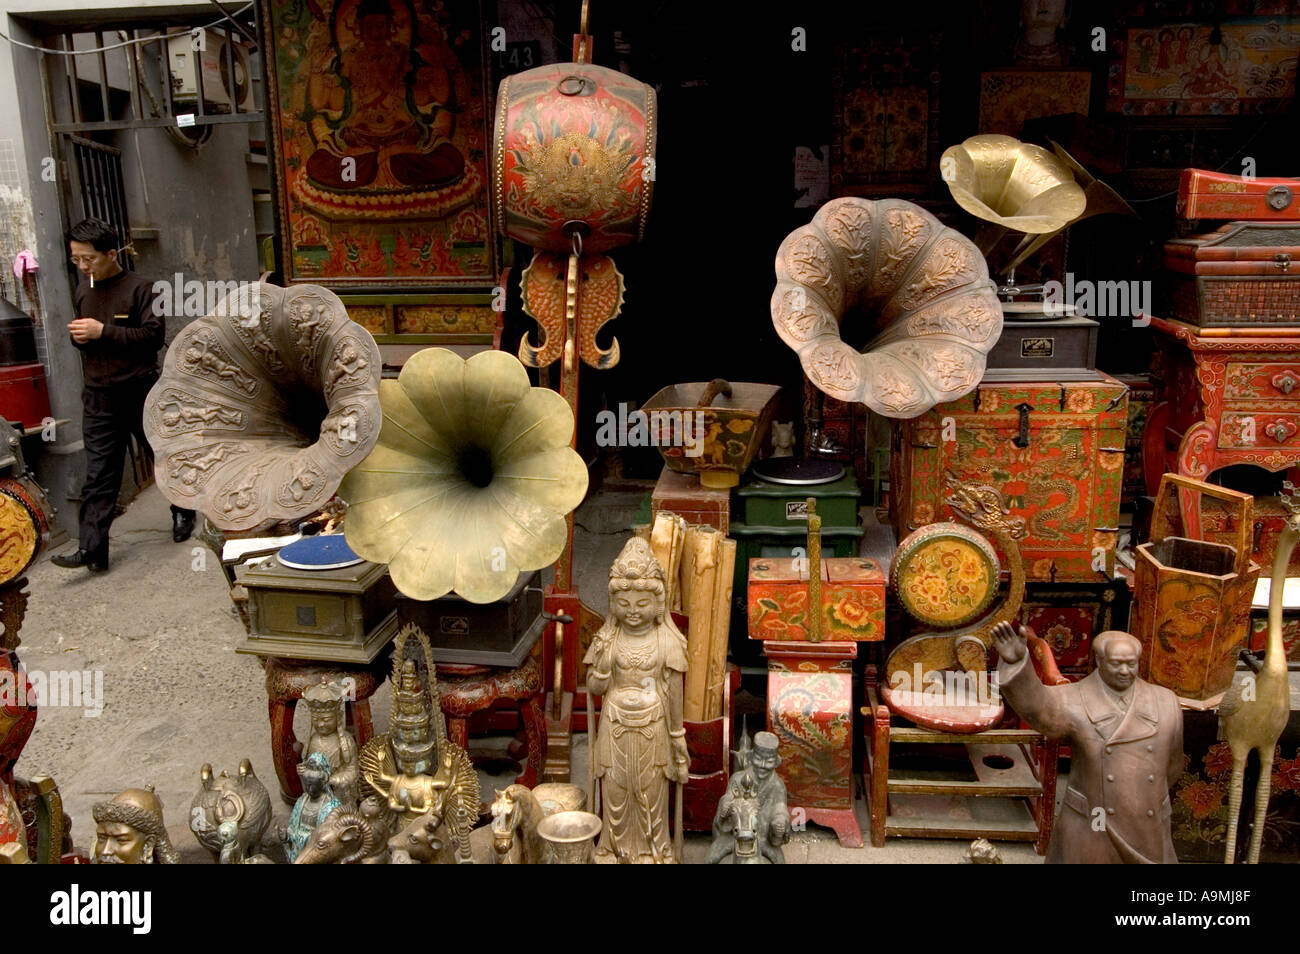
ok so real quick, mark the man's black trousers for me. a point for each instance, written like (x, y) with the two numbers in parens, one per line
(111, 416)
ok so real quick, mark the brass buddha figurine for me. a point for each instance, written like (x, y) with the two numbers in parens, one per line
(129, 830)
(414, 767)
(330, 739)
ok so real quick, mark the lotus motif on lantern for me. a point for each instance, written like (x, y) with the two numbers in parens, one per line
(471, 479)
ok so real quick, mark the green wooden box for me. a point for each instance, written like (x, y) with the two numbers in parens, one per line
(763, 504)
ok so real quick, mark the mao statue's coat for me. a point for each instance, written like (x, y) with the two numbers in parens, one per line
(1123, 764)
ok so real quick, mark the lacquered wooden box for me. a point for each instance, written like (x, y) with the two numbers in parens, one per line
(684, 495)
(853, 599)
(1054, 450)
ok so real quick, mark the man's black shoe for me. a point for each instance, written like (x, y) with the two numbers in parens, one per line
(182, 526)
(79, 559)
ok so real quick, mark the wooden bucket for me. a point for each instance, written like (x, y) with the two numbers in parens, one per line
(1192, 598)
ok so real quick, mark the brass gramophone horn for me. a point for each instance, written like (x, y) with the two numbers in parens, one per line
(1013, 186)
(926, 285)
(264, 405)
(471, 479)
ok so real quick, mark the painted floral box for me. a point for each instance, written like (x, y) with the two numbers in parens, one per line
(1054, 450)
(853, 599)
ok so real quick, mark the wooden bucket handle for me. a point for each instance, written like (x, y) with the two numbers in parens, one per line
(1192, 490)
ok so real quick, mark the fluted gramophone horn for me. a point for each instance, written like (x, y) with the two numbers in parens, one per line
(263, 405)
(926, 284)
(471, 480)
(1013, 186)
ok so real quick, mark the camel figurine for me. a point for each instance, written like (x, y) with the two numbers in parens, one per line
(1254, 712)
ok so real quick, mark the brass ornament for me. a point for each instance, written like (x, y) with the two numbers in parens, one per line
(470, 481)
(421, 774)
(926, 285)
(129, 830)
(263, 405)
(1017, 185)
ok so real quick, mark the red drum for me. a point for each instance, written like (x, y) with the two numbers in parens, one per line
(24, 525)
(573, 144)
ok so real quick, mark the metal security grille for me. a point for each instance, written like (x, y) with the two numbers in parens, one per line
(98, 183)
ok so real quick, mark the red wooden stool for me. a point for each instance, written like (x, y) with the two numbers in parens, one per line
(465, 690)
(287, 679)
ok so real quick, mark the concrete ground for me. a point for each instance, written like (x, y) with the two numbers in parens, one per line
(160, 628)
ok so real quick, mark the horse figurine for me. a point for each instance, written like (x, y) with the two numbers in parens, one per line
(746, 840)
(515, 814)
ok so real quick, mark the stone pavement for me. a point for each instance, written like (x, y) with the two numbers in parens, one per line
(160, 628)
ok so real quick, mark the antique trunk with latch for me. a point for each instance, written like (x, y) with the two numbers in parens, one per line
(485, 634)
(1054, 451)
(1242, 274)
(340, 615)
(1205, 194)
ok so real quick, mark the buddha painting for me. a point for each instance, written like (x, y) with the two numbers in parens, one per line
(386, 100)
(380, 123)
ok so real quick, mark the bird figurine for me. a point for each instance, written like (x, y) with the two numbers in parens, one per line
(1255, 710)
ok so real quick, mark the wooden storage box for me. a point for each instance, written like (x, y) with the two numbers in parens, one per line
(853, 599)
(1055, 451)
(346, 615)
(684, 495)
(1243, 274)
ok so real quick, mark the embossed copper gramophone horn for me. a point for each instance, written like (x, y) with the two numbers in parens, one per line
(926, 286)
(263, 405)
(1013, 187)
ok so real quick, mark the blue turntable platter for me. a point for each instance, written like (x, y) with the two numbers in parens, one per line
(325, 552)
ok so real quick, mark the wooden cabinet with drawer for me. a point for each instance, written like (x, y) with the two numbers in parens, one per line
(1055, 452)
(1228, 396)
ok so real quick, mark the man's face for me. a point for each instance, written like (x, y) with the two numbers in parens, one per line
(119, 844)
(95, 264)
(763, 766)
(1119, 665)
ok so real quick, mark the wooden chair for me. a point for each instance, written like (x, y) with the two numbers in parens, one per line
(1008, 762)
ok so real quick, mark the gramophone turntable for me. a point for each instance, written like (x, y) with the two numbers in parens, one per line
(1016, 187)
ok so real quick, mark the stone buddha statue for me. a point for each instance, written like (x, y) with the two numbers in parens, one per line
(414, 767)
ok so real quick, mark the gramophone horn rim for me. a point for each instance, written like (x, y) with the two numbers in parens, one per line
(219, 418)
(928, 282)
(1017, 185)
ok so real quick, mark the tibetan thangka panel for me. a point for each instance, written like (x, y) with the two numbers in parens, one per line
(378, 117)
